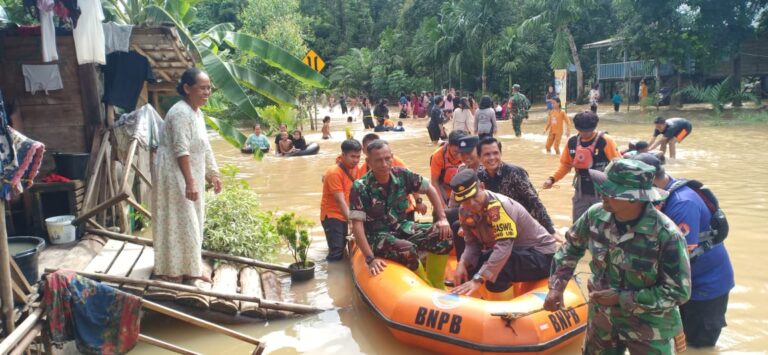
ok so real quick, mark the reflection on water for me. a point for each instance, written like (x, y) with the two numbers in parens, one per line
(729, 159)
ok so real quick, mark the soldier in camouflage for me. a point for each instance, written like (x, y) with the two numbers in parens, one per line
(378, 203)
(640, 267)
(518, 109)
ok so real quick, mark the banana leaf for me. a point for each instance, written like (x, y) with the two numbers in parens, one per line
(257, 82)
(276, 57)
(226, 131)
(225, 80)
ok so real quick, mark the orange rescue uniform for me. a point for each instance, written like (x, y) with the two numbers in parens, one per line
(555, 122)
(336, 180)
(444, 166)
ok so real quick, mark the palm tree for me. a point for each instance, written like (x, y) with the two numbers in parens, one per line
(352, 71)
(510, 52)
(559, 15)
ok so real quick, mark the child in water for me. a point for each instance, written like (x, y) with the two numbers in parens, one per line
(399, 127)
(327, 127)
(555, 122)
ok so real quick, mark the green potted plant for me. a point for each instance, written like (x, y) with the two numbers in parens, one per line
(294, 231)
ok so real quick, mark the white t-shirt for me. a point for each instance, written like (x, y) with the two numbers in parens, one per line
(89, 33)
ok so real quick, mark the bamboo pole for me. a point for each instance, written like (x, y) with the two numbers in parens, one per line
(13, 338)
(206, 253)
(164, 345)
(101, 207)
(198, 322)
(6, 293)
(141, 175)
(276, 305)
(95, 171)
(127, 166)
(27, 340)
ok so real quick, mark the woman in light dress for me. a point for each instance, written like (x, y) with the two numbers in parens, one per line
(183, 164)
(462, 117)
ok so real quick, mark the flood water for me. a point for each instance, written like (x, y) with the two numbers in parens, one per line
(729, 158)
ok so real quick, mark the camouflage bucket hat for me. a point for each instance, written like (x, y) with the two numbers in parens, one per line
(627, 179)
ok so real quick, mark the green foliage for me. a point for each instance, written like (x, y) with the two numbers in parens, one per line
(753, 116)
(717, 95)
(233, 223)
(351, 72)
(294, 231)
(274, 116)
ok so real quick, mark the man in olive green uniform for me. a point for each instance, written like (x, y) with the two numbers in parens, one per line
(640, 267)
(518, 108)
(377, 210)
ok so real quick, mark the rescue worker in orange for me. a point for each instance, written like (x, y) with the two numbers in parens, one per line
(334, 205)
(444, 164)
(556, 120)
(672, 131)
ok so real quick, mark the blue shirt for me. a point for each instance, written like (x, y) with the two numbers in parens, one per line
(711, 272)
(257, 141)
(616, 99)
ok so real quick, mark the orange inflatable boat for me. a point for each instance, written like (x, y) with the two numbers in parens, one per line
(439, 321)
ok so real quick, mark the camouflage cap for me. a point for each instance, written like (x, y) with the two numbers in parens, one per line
(627, 179)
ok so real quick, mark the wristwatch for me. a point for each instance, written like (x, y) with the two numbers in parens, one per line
(369, 259)
(419, 200)
(478, 278)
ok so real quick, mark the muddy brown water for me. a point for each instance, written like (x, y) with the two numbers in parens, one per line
(729, 158)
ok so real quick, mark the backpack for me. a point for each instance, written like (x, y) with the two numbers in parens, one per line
(583, 158)
(718, 224)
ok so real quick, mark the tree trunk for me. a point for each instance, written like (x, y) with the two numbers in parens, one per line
(736, 79)
(678, 99)
(485, 85)
(576, 62)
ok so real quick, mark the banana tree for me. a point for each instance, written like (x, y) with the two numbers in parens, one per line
(215, 50)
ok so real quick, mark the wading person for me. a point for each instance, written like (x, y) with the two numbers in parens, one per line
(594, 97)
(640, 267)
(283, 128)
(443, 165)
(503, 243)
(434, 127)
(711, 270)
(378, 203)
(183, 164)
(518, 109)
(485, 119)
(510, 180)
(257, 140)
(334, 205)
(586, 150)
(672, 131)
(556, 120)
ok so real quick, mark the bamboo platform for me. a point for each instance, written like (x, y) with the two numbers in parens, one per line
(135, 261)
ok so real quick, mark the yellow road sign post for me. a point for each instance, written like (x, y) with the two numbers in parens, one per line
(313, 60)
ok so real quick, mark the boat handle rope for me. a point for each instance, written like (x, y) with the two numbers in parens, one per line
(512, 316)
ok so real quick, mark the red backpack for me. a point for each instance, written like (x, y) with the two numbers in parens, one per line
(583, 157)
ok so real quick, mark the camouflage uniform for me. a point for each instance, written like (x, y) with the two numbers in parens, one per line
(647, 264)
(382, 208)
(518, 112)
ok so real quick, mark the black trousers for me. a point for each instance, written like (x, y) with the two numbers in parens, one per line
(368, 122)
(616, 107)
(336, 237)
(703, 320)
(522, 265)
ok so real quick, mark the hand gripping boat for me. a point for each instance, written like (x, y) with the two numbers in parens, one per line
(436, 320)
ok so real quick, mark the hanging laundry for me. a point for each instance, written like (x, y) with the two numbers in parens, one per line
(44, 77)
(89, 34)
(124, 77)
(117, 38)
(8, 162)
(101, 319)
(67, 9)
(29, 156)
(48, 30)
